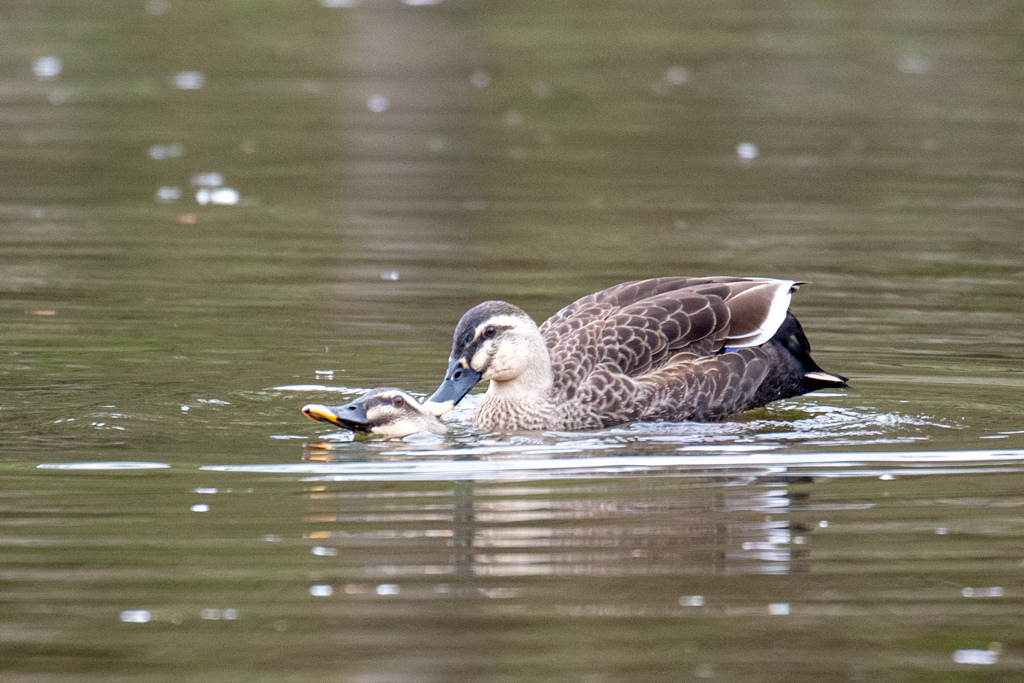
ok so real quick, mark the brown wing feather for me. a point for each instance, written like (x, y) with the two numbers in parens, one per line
(615, 351)
(627, 293)
(709, 388)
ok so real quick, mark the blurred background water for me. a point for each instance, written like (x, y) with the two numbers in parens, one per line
(212, 213)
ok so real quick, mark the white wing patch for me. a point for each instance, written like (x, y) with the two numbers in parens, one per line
(781, 297)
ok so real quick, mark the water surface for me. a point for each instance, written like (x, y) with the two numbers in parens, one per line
(204, 206)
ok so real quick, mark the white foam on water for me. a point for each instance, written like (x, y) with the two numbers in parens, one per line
(113, 465)
(539, 468)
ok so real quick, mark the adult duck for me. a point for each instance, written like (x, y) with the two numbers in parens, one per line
(385, 411)
(666, 349)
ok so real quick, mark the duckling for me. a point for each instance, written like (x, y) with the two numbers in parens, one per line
(385, 411)
(665, 349)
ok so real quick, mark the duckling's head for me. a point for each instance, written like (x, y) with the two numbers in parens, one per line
(385, 411)
(493, 341)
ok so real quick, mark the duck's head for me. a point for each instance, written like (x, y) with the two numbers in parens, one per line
(493, 341)
(385, 411)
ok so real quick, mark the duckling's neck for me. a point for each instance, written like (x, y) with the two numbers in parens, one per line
(523, 403)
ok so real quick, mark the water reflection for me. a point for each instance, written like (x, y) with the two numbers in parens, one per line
(502, 531)
(728, 515)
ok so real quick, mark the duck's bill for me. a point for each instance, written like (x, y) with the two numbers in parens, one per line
(354, 415)
(457, 382)
(438, 408)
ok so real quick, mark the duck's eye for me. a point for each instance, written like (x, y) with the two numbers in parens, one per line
(490, 331)
(398, 401)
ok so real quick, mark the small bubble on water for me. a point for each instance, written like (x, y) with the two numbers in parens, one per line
(159, 152)
(184, 409)
(223, 196)
(886, 477)
(979, 657)
(205, 490)
(691, 601)
(912, 64)
(214, 614)
(320, 590)
(188, 80)
(378, 104)
(271, 538)
(321, 551)
(388, 589)
(46, 68)
(391, 275)
(941, 531)
(168, 194)
(207, 180)
(747, 151)
(823, 524)
(676, 75)
(480, 79)
(704, 671)
(513, 118)
(200, 507)
(778, 608)
(324, 374)
(136, 616)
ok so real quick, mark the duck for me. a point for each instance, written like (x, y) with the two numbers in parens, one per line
(385, 411)
(667, 349)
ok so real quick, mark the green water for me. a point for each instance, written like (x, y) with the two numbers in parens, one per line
(395, 165)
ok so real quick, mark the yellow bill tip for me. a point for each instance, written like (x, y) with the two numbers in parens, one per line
(315, 411)
(439, 408)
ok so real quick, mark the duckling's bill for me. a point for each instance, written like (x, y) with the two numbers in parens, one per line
(355, 416)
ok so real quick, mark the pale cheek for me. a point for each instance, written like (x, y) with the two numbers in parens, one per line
(396, 429)
(504, 366)
(479, 359)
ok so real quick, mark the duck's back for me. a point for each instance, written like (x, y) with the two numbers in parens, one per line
(654, 349)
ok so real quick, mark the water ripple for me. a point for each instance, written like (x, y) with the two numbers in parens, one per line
(824, 464)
